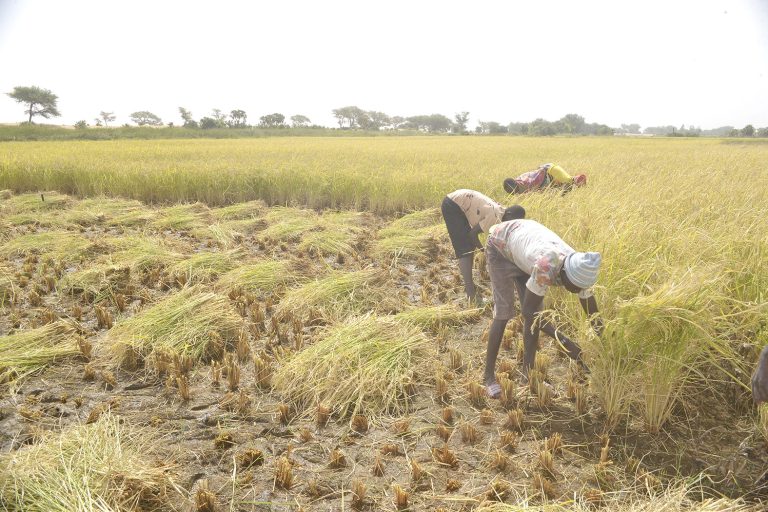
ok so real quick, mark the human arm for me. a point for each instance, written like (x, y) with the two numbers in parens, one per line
(589, 305)
(474, 235)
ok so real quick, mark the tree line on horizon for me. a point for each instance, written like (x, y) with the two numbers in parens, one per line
(43, 103)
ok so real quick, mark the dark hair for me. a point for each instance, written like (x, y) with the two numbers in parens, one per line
(513, 212)
(510, 186)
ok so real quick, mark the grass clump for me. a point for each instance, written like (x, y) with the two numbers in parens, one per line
(362, 364)
(142, 253)
(336, 233)
(261, 278)
(205, 266)
(413, 236)
(35, 202)
(183, 217)
(59, 245)
(288, 224)
(97, 282)
(339, 294)
(98, 467)
(29, 351)
(247, 210)
(8, 289)
(100, 210)
(443, 315)
(190, 323)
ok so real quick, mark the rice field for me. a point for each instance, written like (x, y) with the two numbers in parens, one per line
(279, 323)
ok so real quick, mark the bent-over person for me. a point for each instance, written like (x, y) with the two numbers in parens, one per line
(467, 213)
(527, 257)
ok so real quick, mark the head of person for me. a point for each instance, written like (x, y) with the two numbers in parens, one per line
(513, 212)
(510, 186)
(579, 180)
(580, 270)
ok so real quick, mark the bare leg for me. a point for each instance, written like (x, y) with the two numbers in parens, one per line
(465, 267)
(495, 334)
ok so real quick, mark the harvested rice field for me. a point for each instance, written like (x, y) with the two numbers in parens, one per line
(255, 357)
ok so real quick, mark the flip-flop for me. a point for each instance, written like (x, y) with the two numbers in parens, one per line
(493, 391)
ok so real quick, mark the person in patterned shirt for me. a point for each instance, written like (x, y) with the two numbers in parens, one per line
(525, 255)
(467, 213)
(547, 175)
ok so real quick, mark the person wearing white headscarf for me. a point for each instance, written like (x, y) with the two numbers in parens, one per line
(526, 256)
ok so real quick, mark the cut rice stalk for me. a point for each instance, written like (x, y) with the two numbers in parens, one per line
(205, 266)
(261, 278)
(191, 322)
(365, 364)
(60, 245)
(29, 351)
(35, 202)
(8, 290)
(443, 315)
(238, 211)
(101, 467)
(182, 217)
(339, 294)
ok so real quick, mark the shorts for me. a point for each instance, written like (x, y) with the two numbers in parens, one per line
(458, 228)
(504, 275)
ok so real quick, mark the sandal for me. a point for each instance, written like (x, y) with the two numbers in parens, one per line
(493, 391)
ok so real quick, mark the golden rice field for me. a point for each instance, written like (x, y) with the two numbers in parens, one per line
(278, 324)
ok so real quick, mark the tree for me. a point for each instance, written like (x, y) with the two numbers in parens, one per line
(573, 123)
(541, 127)
(748, 131)
(396, 122)
(81, 125)
(208, 123)
(275, 120)
(434, 123)
(460, 122)
(630, 128)
(40, 102)
(299, 121)
(144, 117)
(493, 127)
(186, 116)
(349, 116)
(107, 117)
(220, 117)
(237, 119)
(373, 120)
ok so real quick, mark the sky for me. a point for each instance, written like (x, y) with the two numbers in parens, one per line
(650, 62)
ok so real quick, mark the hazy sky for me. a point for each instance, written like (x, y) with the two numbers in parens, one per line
(652, 62)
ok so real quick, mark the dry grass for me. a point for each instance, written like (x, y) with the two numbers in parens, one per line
(189, 323)
(29, 351)
(363, 364)
(261, 278)
(339, 294)
(105, 466)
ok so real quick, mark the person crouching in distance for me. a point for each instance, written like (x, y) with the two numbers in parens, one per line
(526, 256)
(467, 213)
(547, 175)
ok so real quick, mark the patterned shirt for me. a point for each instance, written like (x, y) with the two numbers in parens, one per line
(535, 250)
(547, 174)
(479, 208)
